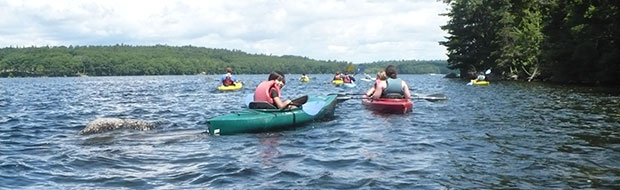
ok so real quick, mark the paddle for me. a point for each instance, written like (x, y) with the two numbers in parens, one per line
(296, 102)
(430, 97)
(310, 108)
(368, 78)
(360, 69)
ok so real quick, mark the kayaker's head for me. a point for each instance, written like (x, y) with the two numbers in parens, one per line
(391, 72)
(228, 70)
(381, 75)
(278, 76)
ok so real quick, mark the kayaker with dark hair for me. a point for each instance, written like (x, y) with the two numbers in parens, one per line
(392, 87)
(338, 76)
(270, 90)
(348, 78)
(380, 78)
(228, 79)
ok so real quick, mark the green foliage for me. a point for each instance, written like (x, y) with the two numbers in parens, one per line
(565, 41)
(410, 66)
(149, 60)
(167, 60)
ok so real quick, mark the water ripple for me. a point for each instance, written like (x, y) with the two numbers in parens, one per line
(509, 135)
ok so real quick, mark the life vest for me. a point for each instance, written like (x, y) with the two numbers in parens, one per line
(263, 91)
(394, 89)
(337, 77)
(346, 79)
(228, 80)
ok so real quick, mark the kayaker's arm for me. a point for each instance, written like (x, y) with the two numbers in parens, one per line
(379, 90)
(370, 91)
(280, 104)
(406, 90)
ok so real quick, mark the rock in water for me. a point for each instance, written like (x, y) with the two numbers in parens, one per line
(108, 124)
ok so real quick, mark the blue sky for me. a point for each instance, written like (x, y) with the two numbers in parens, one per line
(356, 31)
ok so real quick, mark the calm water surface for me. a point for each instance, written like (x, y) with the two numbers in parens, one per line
(506, 135)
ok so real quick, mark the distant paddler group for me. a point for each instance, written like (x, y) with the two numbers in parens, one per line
(343, 78)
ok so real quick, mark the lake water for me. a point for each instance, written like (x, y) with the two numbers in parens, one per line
(506, 135)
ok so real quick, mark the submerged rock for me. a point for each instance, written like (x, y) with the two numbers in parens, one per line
(101, 125)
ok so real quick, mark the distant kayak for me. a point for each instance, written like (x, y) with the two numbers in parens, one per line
(262, 120)
(337, 82)
(304, 79)
(349, 85)
(387, 105)
(477, 82)
(237, 86)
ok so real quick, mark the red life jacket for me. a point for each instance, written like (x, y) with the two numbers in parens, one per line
(337, 77)
(228, 80)
(346, 79)
(263, 91)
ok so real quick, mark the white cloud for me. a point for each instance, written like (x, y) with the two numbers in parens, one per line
(357, 31)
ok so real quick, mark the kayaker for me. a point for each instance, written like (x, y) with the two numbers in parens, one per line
(392, 87)
(270, 90)
(481, 77)
(304, 77)
(347, 78)
(228, 79)
(380, 78)
(338, 76)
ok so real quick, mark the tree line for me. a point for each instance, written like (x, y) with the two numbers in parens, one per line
(574, 41)
(120, 60)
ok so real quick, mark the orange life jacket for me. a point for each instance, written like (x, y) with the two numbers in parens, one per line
(263, 91)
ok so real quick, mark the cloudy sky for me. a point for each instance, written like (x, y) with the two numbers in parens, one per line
(356, 31)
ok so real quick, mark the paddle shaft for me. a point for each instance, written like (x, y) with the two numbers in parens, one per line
(413, 98)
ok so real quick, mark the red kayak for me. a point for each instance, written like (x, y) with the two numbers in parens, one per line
(388, 105)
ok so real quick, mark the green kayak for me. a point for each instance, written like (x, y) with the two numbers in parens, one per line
(261, 120)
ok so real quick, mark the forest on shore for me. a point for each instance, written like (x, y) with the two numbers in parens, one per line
(121, 60)
(567, 41)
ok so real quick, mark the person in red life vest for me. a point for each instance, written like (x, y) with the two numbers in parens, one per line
(381, 77)
(392, 87)
(228, 79)
(338, 76)
(348, 78)
(271, 90)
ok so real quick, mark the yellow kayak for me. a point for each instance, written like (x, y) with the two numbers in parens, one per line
(304, 79)
(483, 82)
(337, 82)
(237, 86)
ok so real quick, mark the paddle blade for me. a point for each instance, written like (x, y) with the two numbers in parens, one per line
(248, 98)
(300, 101)
(313, 108)
(431, 97)
(488, 71)
(361, 69)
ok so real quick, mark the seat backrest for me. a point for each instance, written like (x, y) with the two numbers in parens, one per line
(261, 105)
